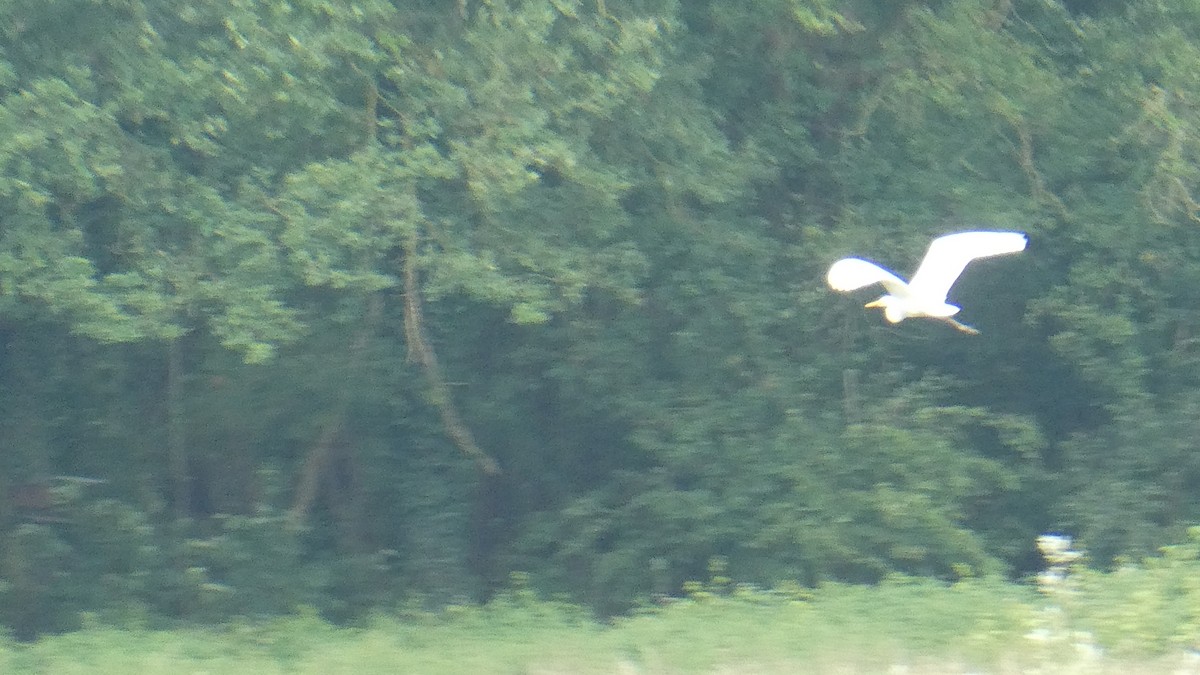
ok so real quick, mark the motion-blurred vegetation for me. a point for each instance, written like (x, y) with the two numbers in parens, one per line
(358, 306)
(1132, 620)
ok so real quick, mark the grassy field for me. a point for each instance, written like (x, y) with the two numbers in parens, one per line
(1137, 620)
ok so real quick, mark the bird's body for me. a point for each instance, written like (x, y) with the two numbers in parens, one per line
(925, 294)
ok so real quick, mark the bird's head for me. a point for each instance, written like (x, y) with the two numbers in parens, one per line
(893, 308)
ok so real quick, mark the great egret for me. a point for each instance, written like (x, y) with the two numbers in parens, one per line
(925, 295)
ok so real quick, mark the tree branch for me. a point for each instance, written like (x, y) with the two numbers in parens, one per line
(419, 350)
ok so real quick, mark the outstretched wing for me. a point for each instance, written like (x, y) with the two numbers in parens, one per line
(948, 257)
(849, 274)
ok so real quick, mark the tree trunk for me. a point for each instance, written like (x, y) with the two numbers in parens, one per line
(176, 434)
(419, 349)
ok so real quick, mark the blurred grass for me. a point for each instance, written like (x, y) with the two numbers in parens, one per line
(901, 626)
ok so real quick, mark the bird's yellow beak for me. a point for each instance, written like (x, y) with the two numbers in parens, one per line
(874, 303)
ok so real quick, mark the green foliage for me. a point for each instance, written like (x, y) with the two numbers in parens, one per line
(103, 558)
(35, 599)
(1127, 486)
(981, 624)
(250, 566)
(217, 222)
(1149, 607)
(895, 492)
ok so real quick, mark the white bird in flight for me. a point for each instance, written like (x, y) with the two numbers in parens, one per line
(925, 295)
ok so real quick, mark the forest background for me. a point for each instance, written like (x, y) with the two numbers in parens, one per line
(343, 304)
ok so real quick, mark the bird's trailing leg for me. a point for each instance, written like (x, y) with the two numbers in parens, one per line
(961, 326)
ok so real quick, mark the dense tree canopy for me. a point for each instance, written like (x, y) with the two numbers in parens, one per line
(344, 304)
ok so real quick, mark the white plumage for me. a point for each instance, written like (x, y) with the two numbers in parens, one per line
(925, 294)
